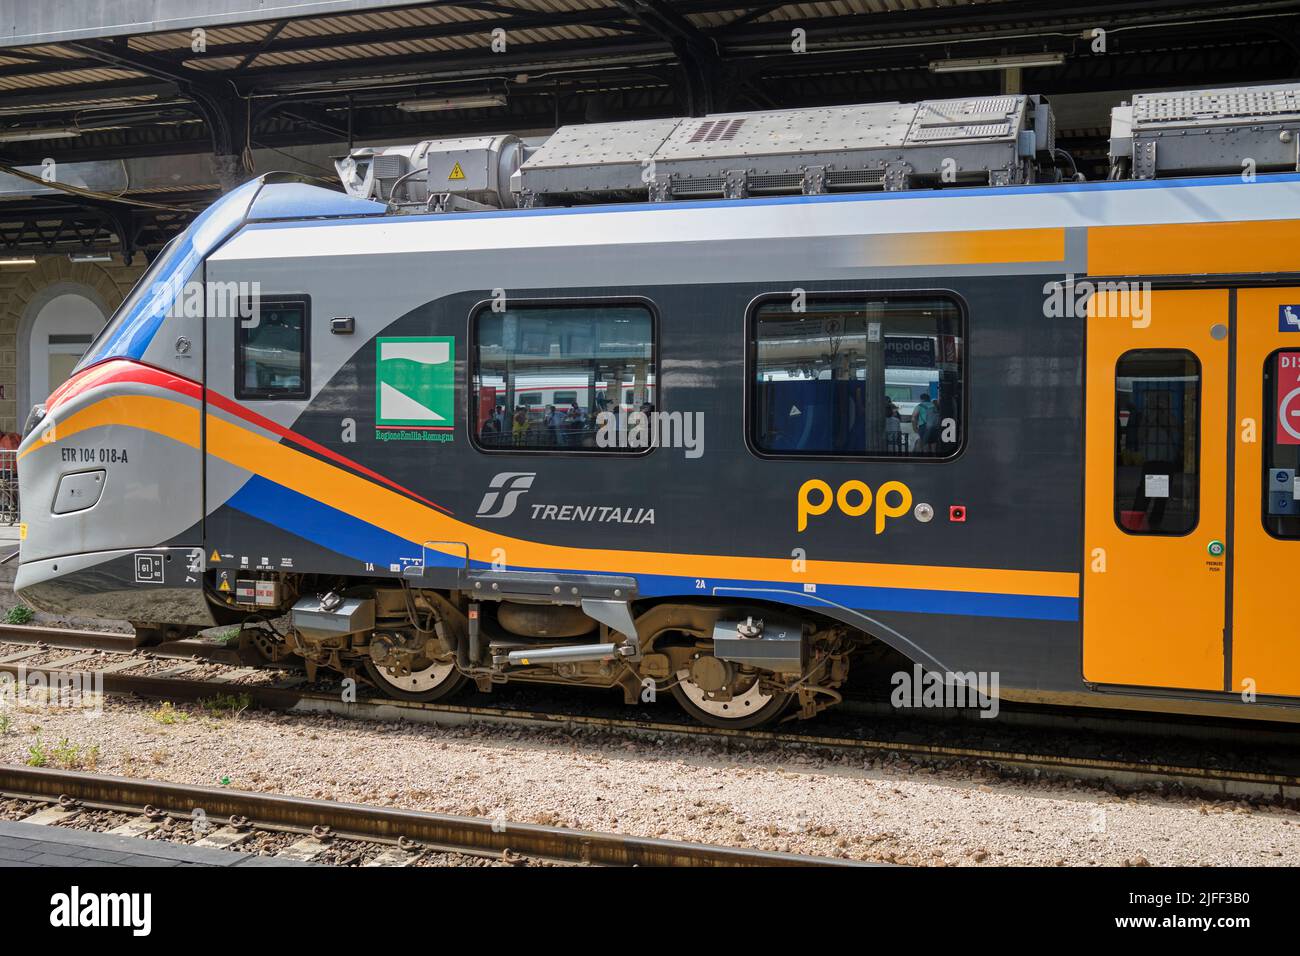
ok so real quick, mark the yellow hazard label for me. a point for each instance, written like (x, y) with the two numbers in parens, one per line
(224, 585)
(456, 172)
(22, 532)
(216, 556)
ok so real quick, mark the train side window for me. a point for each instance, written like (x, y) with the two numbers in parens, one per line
(1281, 440)
(563, 377)
(864, 376)
(1157, 441)
(272, 356)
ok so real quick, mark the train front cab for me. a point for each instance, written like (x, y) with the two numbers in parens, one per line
(111, 470)
(1192, 515)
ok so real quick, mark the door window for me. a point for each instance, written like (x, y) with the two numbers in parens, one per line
(1157, 447)
(1281, 440)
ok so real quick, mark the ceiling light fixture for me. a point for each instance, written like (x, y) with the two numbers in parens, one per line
(23, 135)
(452, 103)
(978, 63)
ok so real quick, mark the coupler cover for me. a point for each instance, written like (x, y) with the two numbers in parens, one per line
(761, 640)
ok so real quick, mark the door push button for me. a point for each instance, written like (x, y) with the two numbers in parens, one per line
(1283, 485)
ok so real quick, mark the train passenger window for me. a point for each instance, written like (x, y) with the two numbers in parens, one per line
(1282, 443)
(1157, 441)
(858, 375)
(272, 350)
(563, 377)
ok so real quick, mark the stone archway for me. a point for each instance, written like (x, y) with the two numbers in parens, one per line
(89, 288)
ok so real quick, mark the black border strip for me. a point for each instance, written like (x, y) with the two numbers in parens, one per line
(471, 367)
(300, 394)
(1230, 519)
(751, 356)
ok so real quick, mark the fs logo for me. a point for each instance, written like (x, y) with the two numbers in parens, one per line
(503, 494)
(853, 498)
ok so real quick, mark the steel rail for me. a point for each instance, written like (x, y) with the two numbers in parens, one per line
(1067, 720)
(1210, 780)
(435, 831)
(76, 640)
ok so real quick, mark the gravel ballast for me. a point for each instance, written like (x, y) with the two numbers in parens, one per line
(882, 809)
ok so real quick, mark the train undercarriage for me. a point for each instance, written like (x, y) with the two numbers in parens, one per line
(728, 664)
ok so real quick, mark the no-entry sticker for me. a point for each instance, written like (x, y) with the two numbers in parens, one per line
(1288, 398)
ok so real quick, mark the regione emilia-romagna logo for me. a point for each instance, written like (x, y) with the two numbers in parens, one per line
(415, 388)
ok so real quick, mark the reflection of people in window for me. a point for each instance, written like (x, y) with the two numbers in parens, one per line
(574, 424)
(925, 423)
(551, 421)
(893, 429)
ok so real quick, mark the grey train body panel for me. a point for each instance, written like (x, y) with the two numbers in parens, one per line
(248, 497)
(1019, 472)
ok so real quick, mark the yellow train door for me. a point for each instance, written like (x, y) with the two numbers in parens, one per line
(1264, 641)
(1155, 582)
(1192, 494)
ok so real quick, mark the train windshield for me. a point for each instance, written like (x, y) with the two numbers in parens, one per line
(135, 323)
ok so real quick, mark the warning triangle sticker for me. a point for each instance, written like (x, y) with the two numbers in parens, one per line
(215, 556)
(456, 172)
(224, 585)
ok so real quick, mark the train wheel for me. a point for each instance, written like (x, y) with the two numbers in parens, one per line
(440, 679)
(750, 705)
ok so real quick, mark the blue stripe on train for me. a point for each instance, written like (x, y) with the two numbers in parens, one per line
(351, 536)
(336, 530)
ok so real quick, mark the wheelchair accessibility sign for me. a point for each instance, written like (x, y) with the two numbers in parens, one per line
(1288, 318)
(1288, 398)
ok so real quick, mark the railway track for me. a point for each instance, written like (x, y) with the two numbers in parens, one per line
(348, 833)
(286, 693)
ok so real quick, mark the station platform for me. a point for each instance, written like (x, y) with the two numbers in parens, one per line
(32, 845)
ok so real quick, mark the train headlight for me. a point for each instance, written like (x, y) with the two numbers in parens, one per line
(34, 418)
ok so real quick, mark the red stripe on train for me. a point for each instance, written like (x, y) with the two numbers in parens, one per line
(122, 370)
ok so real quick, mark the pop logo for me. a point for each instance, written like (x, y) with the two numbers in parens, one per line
(853, 498)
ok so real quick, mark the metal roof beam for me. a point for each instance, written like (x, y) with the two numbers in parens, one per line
(695, 51)
(262, 45)
(55, 97)
(612, 19)
(225, 114)
(1026, 17)
(49, 65)
(33, 24)
(411, 67)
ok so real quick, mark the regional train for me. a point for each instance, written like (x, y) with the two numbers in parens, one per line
(316, 414)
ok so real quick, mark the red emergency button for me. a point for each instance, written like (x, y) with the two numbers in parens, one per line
(957, 513)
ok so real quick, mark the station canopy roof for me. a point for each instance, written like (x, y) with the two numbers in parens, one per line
(149, 108)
